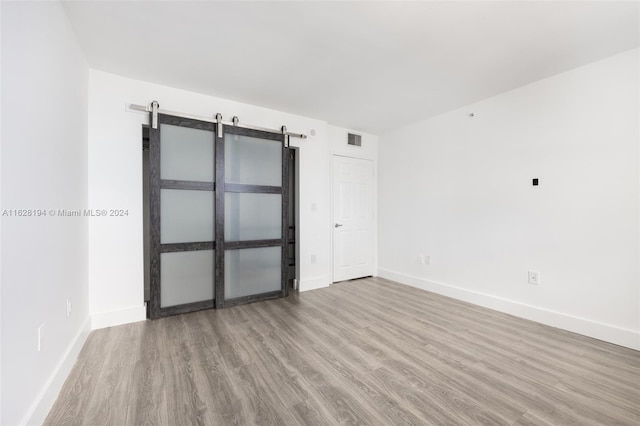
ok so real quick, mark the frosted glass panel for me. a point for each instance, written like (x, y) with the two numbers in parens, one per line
(186, 216)
(252, 161)
(186, 154)
(186, 277)
(251, 216)
(251, 271)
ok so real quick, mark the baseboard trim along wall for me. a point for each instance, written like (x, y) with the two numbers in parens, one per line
(314, 283)
(49, 393)
(608, 333)
(123, 316)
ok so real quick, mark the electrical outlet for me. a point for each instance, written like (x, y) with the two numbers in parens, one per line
(534, 277)
(314, 259)
(69, 307)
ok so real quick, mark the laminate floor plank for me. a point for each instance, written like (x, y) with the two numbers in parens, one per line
(416, 368)
(216, 382)
(593, 392)
(115, 378)
(271, 388)
(347, 364)
(148, 403)
(436, 405)
(485, 319)
(496, 323)
(358, 394)
(536, 361)
(364, 352)
(353, 369)
(426, 373)
(546, 400)
(313, 401)
(529, 419)
(76, 393)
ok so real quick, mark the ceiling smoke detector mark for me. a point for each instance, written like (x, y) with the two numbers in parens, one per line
(312, 133)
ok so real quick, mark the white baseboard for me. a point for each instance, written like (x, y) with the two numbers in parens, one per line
(608, 333)
(44, 401)
(123, 316)
(314, 283)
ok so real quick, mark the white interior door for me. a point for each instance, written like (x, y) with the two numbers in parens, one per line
(352, 218)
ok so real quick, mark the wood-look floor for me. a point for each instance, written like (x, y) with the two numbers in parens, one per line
(369, 352)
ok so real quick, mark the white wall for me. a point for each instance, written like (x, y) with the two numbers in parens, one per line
(115, 181)
(44, 166)
(458, 189)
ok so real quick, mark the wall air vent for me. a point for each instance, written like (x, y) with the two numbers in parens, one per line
(355, 140)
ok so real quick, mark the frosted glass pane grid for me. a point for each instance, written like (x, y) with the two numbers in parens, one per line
(186, 154)
(252, 161)
(187, 277)
(186, 216)
(251, 216)
(252, 271)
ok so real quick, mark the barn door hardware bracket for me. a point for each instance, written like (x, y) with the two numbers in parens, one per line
(154, 114)
(219, 121)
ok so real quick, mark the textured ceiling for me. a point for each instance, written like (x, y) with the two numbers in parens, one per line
(371, 66)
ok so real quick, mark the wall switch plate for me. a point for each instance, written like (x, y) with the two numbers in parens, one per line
(534, 278)
(314, 258)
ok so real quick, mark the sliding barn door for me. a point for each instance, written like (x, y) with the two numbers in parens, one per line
(255, 200)
(218, 232)
(182, 200)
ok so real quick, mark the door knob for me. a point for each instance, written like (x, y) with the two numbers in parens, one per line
(337, 225)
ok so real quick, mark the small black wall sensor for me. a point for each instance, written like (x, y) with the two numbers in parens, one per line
(535, 181)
